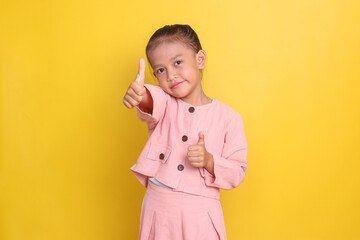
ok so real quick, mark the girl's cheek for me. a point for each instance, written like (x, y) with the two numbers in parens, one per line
(163, 86)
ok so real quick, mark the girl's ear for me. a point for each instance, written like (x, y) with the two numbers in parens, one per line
(201, 59)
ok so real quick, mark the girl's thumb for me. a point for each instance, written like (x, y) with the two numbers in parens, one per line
(201, 138)
(141, 74)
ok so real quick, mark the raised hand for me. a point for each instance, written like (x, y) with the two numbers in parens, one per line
(136, 91)
(199, 157)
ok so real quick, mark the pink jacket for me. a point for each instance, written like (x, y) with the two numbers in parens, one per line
(173, 126)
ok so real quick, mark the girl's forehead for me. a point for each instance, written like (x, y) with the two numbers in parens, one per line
(166, 50)
(170, 46)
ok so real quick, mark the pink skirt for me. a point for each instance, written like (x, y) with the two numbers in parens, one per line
(170, 215)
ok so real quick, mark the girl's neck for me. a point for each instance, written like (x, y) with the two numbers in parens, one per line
(197, 99)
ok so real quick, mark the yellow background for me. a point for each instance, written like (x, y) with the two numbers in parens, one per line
(290, 68)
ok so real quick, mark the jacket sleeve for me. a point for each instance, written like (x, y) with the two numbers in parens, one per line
(159, 105)
(230, 168)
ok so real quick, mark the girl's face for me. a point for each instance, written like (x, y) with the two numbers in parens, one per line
(178, 69)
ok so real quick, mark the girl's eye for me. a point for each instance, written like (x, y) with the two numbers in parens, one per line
(160, 70)
(178, 62)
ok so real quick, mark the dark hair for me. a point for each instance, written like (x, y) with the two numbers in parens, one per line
(176, 32)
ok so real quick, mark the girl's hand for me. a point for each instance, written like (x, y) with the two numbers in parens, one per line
(199, 157)
(136, 92)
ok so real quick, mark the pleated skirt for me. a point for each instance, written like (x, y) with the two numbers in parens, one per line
(171, 215)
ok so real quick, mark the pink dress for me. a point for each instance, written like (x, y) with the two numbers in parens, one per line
(191, 209)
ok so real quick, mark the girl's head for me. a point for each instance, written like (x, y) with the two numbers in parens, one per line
(177, 59)
(173, 33)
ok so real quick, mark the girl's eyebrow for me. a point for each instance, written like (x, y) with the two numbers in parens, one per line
(176, 56)
(179, 55)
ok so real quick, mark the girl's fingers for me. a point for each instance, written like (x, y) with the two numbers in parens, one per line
(196, 159)
(131, 101)
(134, 95)
(195, 154)
(127, 104)
(197, 164)
(194, 148)
(136, 87)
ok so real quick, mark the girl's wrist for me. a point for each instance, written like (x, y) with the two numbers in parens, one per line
(146, 104)
(210, 163)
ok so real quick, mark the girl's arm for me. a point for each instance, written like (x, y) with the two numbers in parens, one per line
(228, 170)
(152, 108)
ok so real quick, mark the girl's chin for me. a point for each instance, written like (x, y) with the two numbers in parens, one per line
(176, 94)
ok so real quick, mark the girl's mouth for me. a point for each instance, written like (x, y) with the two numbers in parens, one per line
(175, 85)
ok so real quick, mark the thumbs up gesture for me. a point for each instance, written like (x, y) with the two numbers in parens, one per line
(199, 157)
(136, 92)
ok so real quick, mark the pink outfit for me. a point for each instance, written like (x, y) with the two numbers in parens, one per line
(171, 215)
(175, 125)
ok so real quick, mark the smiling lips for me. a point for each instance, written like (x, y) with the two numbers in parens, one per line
(175, 85)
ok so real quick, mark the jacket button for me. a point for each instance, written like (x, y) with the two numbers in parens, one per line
(184, 138)
(180, 167)
(191, 109)
(161, 156)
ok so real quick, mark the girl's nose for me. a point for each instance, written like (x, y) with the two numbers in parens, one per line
(171, 75)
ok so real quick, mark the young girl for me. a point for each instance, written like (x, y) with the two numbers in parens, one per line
(196, 144)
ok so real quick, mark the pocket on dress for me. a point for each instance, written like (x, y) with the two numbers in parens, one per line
(158, 152)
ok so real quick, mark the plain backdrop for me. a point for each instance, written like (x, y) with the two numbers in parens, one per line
(291, 68)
